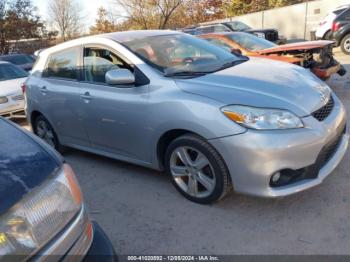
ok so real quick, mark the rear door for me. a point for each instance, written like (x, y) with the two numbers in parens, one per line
(60, 99)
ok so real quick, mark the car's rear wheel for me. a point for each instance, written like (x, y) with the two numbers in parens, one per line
(44, 130)
(327, 35)
(197, 170)
(345, 44)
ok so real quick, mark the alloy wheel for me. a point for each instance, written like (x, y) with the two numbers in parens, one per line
(347, 45)
(45, 132)
(192, 172)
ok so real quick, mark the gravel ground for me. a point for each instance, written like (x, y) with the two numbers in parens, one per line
(143, 214)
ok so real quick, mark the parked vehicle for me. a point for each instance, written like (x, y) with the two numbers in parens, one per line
(341, 31)
(314, 55)
(210, 119)
(191, 31)
(24, 61)
(237, 26)
(324, 30)
(11, 95)
(42, 212)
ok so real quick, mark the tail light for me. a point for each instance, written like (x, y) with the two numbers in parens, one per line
(335, 26)
(24, 87)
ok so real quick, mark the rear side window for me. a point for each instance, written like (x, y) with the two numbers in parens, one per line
(209, 29)
(339, 11)
(63, 64)
(345, 15)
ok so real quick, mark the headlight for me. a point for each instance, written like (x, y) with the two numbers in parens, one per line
(40, 215)
(3, 99)
(262, 118)
(259, 34)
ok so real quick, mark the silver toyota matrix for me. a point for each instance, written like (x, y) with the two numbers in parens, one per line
(169, 101)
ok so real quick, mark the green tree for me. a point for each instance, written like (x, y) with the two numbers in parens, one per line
(104, 22)
(19, 20)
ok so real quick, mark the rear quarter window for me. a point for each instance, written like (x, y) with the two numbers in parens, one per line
(63, 64)
(344, 15)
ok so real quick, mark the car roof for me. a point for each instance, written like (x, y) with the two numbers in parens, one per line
(225, 33)
(127, 36)
(120, 37)
(11, 55)
(342, 7)
(204, 26)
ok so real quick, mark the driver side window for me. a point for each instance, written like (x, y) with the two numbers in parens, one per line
(98, 61)
(188, 51)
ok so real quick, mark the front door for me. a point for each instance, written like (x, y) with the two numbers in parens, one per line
(116, 115)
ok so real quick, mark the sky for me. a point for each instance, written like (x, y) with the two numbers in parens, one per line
(89, 8)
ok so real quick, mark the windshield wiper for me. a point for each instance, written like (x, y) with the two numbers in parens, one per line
(232, 63)
(186, 73)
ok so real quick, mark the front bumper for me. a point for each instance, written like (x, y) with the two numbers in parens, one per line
(12, 109)
(101, 248)
(325, 73)
(253, 157)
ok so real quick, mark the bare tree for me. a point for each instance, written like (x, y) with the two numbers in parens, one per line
(147, 14)
(65, 14)
(166, 9)
(138, 12)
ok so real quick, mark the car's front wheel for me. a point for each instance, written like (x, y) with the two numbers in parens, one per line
(345, 44)
(197, 170)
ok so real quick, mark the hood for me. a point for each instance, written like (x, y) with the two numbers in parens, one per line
(262, 83)
(300, 46)
(24, 164)
(12, 86)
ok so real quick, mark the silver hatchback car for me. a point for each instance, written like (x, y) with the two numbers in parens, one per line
(169, 101)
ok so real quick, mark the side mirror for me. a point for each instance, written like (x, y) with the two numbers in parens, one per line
(236, 51)
(119, 77)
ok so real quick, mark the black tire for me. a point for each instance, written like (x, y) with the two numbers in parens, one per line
(345, 44)
(55, 142)
(223, 181)
(327, 35)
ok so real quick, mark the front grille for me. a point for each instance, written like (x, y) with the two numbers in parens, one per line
(322, 113)
(329, 150)
(271, 36)
(289, 176)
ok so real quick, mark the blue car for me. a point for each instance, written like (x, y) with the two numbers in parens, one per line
(42, 211)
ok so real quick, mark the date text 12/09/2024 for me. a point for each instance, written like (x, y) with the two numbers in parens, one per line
(173, 258)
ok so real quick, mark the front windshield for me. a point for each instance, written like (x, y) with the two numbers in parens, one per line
(238, 26)
(251, 42)
(177, 53)
(8, 72)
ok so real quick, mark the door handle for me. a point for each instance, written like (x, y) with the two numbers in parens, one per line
(86, 97)
(43, 90)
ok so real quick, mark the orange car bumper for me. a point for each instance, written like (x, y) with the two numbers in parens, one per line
(325, 73)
